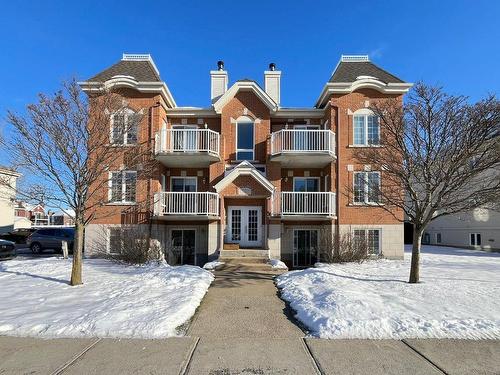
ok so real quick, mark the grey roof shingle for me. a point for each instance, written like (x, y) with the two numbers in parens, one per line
(142, 71)
(348, 71)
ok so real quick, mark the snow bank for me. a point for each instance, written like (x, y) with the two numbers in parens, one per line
(277, 264)
(150, 301)
(213, 265)
(458, 297)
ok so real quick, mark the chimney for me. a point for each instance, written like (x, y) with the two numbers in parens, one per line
(218, 82)
(272, 78)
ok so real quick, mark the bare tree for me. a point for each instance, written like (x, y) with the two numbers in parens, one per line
(64, 143)
(439, 155)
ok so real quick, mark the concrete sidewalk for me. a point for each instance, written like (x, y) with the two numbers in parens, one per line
(243, 327)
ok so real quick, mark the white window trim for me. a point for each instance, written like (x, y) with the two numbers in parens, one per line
(305, 178)
(366, 202)
(475, 238)
(108, 242)
(184, 178)
(126, 112)
(380, 233)
(252, 150)
(294, 249)
(195, 243)
(110, 187)
(365, 113)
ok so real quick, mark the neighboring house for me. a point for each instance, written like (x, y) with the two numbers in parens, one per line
(64, 218)
(246, 172)
(28, 215)
(476, 229)
(8, 180)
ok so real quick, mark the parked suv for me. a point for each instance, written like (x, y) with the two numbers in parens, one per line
(51, 238)
(18, 236)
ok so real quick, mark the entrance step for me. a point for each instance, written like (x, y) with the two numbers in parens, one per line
(231, 246)
(244, 260)
(246, 253)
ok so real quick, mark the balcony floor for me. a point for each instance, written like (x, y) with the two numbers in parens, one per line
(187, 159)
(186, 217)
(305, 218)
(304, 159)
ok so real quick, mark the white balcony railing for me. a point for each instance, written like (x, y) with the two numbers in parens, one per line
(306, 203)
(303, 141)
(187, 140)
(187, 203)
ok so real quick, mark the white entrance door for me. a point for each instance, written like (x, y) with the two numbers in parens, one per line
(245, 225)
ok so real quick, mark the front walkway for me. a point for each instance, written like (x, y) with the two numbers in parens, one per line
(242, 327)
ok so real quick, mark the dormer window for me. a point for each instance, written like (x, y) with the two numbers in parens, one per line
(366, 129)
(244, 139)
(124, 126)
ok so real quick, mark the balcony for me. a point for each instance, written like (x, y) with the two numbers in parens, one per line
(303, 148)
(187, 147)
(186, 205)
(296, 205)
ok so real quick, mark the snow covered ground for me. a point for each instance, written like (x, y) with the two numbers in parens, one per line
(117, 300)
(458, 297)
(277, 264)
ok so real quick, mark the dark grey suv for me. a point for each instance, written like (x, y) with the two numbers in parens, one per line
(51, 238)
(7, 249)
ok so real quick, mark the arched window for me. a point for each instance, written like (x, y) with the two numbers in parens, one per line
(124, 124)
(245, 140)
(366, 129)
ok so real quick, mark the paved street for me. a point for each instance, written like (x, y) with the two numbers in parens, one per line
(242, 327)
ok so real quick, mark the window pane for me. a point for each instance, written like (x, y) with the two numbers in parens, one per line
(116, 187)
(478, 239)
(115, 240)
(472, 239)
(373, 130)
(244, 155)
(359, 130)
(177, 184)
(359, 237)
(132, 124)
(373, 187)
(130, 182)
(245, 136)
(190, 184)
(312, 184)
(359, 187)
(118, 128)
(299, 184)
(373, 241)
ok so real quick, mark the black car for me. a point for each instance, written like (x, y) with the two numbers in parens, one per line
(51, 238)
(7, 249)
(18, 236)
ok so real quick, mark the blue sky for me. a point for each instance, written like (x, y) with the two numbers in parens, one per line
(452, 43)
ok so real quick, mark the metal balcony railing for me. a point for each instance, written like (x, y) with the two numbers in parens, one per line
(302, 141)
(187, 203)
(187, 140)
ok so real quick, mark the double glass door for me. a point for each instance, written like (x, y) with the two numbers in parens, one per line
(245, 225)
(305, 247)
(185, 138)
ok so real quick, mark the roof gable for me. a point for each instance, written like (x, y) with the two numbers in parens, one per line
(350, 71)
(245, 85)
(245, 168)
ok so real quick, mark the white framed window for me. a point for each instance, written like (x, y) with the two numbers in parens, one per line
(115, 240)
(306, 184)
(245, 139)
(124, 126)
(366, 187)
(183, 184)
(366, 129)
(475, 239)
(370, 237)
(122, 186)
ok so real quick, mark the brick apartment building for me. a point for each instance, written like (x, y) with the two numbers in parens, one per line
(246, 172)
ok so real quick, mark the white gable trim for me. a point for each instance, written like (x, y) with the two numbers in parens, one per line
(244, 169)
(245, 86)
(362, 82)
(130, 82)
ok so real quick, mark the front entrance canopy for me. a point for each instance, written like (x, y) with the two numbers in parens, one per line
(245, 168)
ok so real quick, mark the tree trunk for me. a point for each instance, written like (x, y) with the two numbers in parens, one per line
(76, 271)
(415, 255)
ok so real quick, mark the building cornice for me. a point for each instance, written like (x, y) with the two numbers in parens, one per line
(299, 112)
(122, 81)
(362, 83)
(192, 112)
